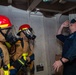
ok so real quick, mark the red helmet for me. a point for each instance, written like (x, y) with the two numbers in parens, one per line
(27, 30)
(4, 22)
(23, 27)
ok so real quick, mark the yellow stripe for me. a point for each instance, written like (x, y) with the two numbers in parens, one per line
(8, 44)
(8, 66)
(23, 29)
(3, 25)
(1, 68)
(6, 72)
(24, 55)
(21, 62)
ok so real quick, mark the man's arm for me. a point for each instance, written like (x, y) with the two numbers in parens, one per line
(65, 24)
(64, 60)
(57, 64)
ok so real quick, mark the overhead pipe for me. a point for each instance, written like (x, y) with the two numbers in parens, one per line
(67, 0)
(70, 0)
(47, 0)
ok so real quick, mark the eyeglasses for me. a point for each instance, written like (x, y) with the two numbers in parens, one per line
(71, 24)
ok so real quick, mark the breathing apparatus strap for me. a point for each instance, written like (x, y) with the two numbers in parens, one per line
(2, 32)
(21, 40)
(5, 35)
(23, 32)
(1, 56)
(7, 32)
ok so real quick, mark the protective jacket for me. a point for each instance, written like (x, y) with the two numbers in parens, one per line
(4, 59)
(26, 32)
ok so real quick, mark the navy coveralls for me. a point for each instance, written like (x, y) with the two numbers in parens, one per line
(69, 52)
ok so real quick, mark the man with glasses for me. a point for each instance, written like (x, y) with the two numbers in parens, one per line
(68, 59)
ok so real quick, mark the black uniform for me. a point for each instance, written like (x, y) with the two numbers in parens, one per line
(69, 52)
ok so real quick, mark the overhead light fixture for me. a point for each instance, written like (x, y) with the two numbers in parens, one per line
(37, 9)
(47, 0)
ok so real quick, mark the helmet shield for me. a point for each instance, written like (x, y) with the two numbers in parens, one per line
(29, 34)
(10, 36)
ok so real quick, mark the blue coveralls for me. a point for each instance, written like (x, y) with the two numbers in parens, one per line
(69, 52)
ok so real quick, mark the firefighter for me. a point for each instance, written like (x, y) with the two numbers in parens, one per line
(5, 27)
(26, 32)
(7, 41)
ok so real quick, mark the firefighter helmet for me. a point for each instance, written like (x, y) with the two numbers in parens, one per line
(27, 30)
(4, 22)
(24, 27)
